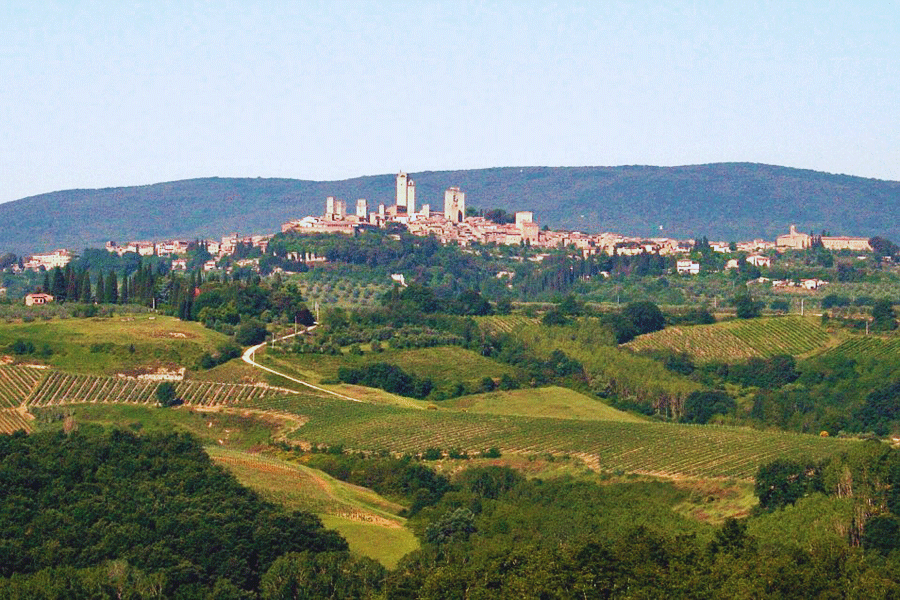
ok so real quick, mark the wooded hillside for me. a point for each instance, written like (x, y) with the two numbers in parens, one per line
(726, 201)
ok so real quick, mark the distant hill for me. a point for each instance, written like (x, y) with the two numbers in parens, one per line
(727, 201)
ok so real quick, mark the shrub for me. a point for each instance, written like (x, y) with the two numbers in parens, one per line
(165, 394)
(250, 333)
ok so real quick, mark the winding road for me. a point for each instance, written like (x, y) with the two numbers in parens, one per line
(248, 357)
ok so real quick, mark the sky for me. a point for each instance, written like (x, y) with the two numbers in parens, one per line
(100, 94)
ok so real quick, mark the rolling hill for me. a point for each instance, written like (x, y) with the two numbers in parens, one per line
(727, 201)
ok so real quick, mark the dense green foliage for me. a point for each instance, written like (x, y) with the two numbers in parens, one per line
(155, 502)
(576, 539)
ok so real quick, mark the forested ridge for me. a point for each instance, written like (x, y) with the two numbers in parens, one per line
(726, 200)
(79, 507)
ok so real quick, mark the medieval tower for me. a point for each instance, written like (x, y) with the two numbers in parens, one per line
(454, 205)
(406, 192)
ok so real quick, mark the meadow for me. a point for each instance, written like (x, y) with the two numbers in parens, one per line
(441, 363)
(105, 346)
(367, 521)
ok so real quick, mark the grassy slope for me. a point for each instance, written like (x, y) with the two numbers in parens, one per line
(739, 339)
(368, 521)
(158, 341)
(552, 402)
(238, 430)
(443, 363)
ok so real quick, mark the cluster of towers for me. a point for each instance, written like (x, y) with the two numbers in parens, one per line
(405, 207)
(454, 201)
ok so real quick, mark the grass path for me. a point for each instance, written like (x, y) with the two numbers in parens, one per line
(249, 357)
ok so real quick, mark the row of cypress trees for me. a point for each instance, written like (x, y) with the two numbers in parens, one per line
(70, 285)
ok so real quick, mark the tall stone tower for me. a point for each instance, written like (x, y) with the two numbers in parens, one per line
(406, 192)
(454, 205)
(362, 208)
(402, 180)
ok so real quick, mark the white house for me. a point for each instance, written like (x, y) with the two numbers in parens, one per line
(688, 266)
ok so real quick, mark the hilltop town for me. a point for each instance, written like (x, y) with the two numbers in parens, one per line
(458, 224)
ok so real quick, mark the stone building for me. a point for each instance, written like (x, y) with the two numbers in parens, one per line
(454, 205)
(794, 240)
(406, 193)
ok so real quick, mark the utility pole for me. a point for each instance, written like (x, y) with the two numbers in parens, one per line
(801, 306)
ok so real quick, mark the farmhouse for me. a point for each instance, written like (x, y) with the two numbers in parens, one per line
(37, 299)
(758, 260)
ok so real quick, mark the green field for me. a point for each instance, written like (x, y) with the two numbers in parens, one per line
(240, 430)
(551, 402)
(105, 346)
(442, 363)
(651, 448)
(739, 339)
(368, 522)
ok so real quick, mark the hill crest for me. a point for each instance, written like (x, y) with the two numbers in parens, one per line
(727, 201)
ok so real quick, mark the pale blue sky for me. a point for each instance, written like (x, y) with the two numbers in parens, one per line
(101, 94)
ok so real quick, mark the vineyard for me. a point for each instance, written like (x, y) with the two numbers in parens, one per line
(648, 448)
(738, 339)
(11, 420)
(65, 388)
(867, 347)
(16, 383)
(507, 323)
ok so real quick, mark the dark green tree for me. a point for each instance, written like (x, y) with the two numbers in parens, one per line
(165, 394)
(112, 289)
(883, 316)
(745, 306)
(58, 286)
(250, 333)
(100, 295)
(700, 407)
(784, 481)
(644, 316)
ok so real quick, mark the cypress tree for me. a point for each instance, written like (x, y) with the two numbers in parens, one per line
(71, 284)
(59, 285)
(123, 296)
(46, 286)
(101, 289)
(112, 288)
(85, 295)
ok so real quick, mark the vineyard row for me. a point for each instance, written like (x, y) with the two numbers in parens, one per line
(64, 388)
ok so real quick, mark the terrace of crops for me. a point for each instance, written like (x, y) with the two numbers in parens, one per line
(649, 448)
(738, 339)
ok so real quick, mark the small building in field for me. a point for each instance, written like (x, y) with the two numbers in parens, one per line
(38, 299)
